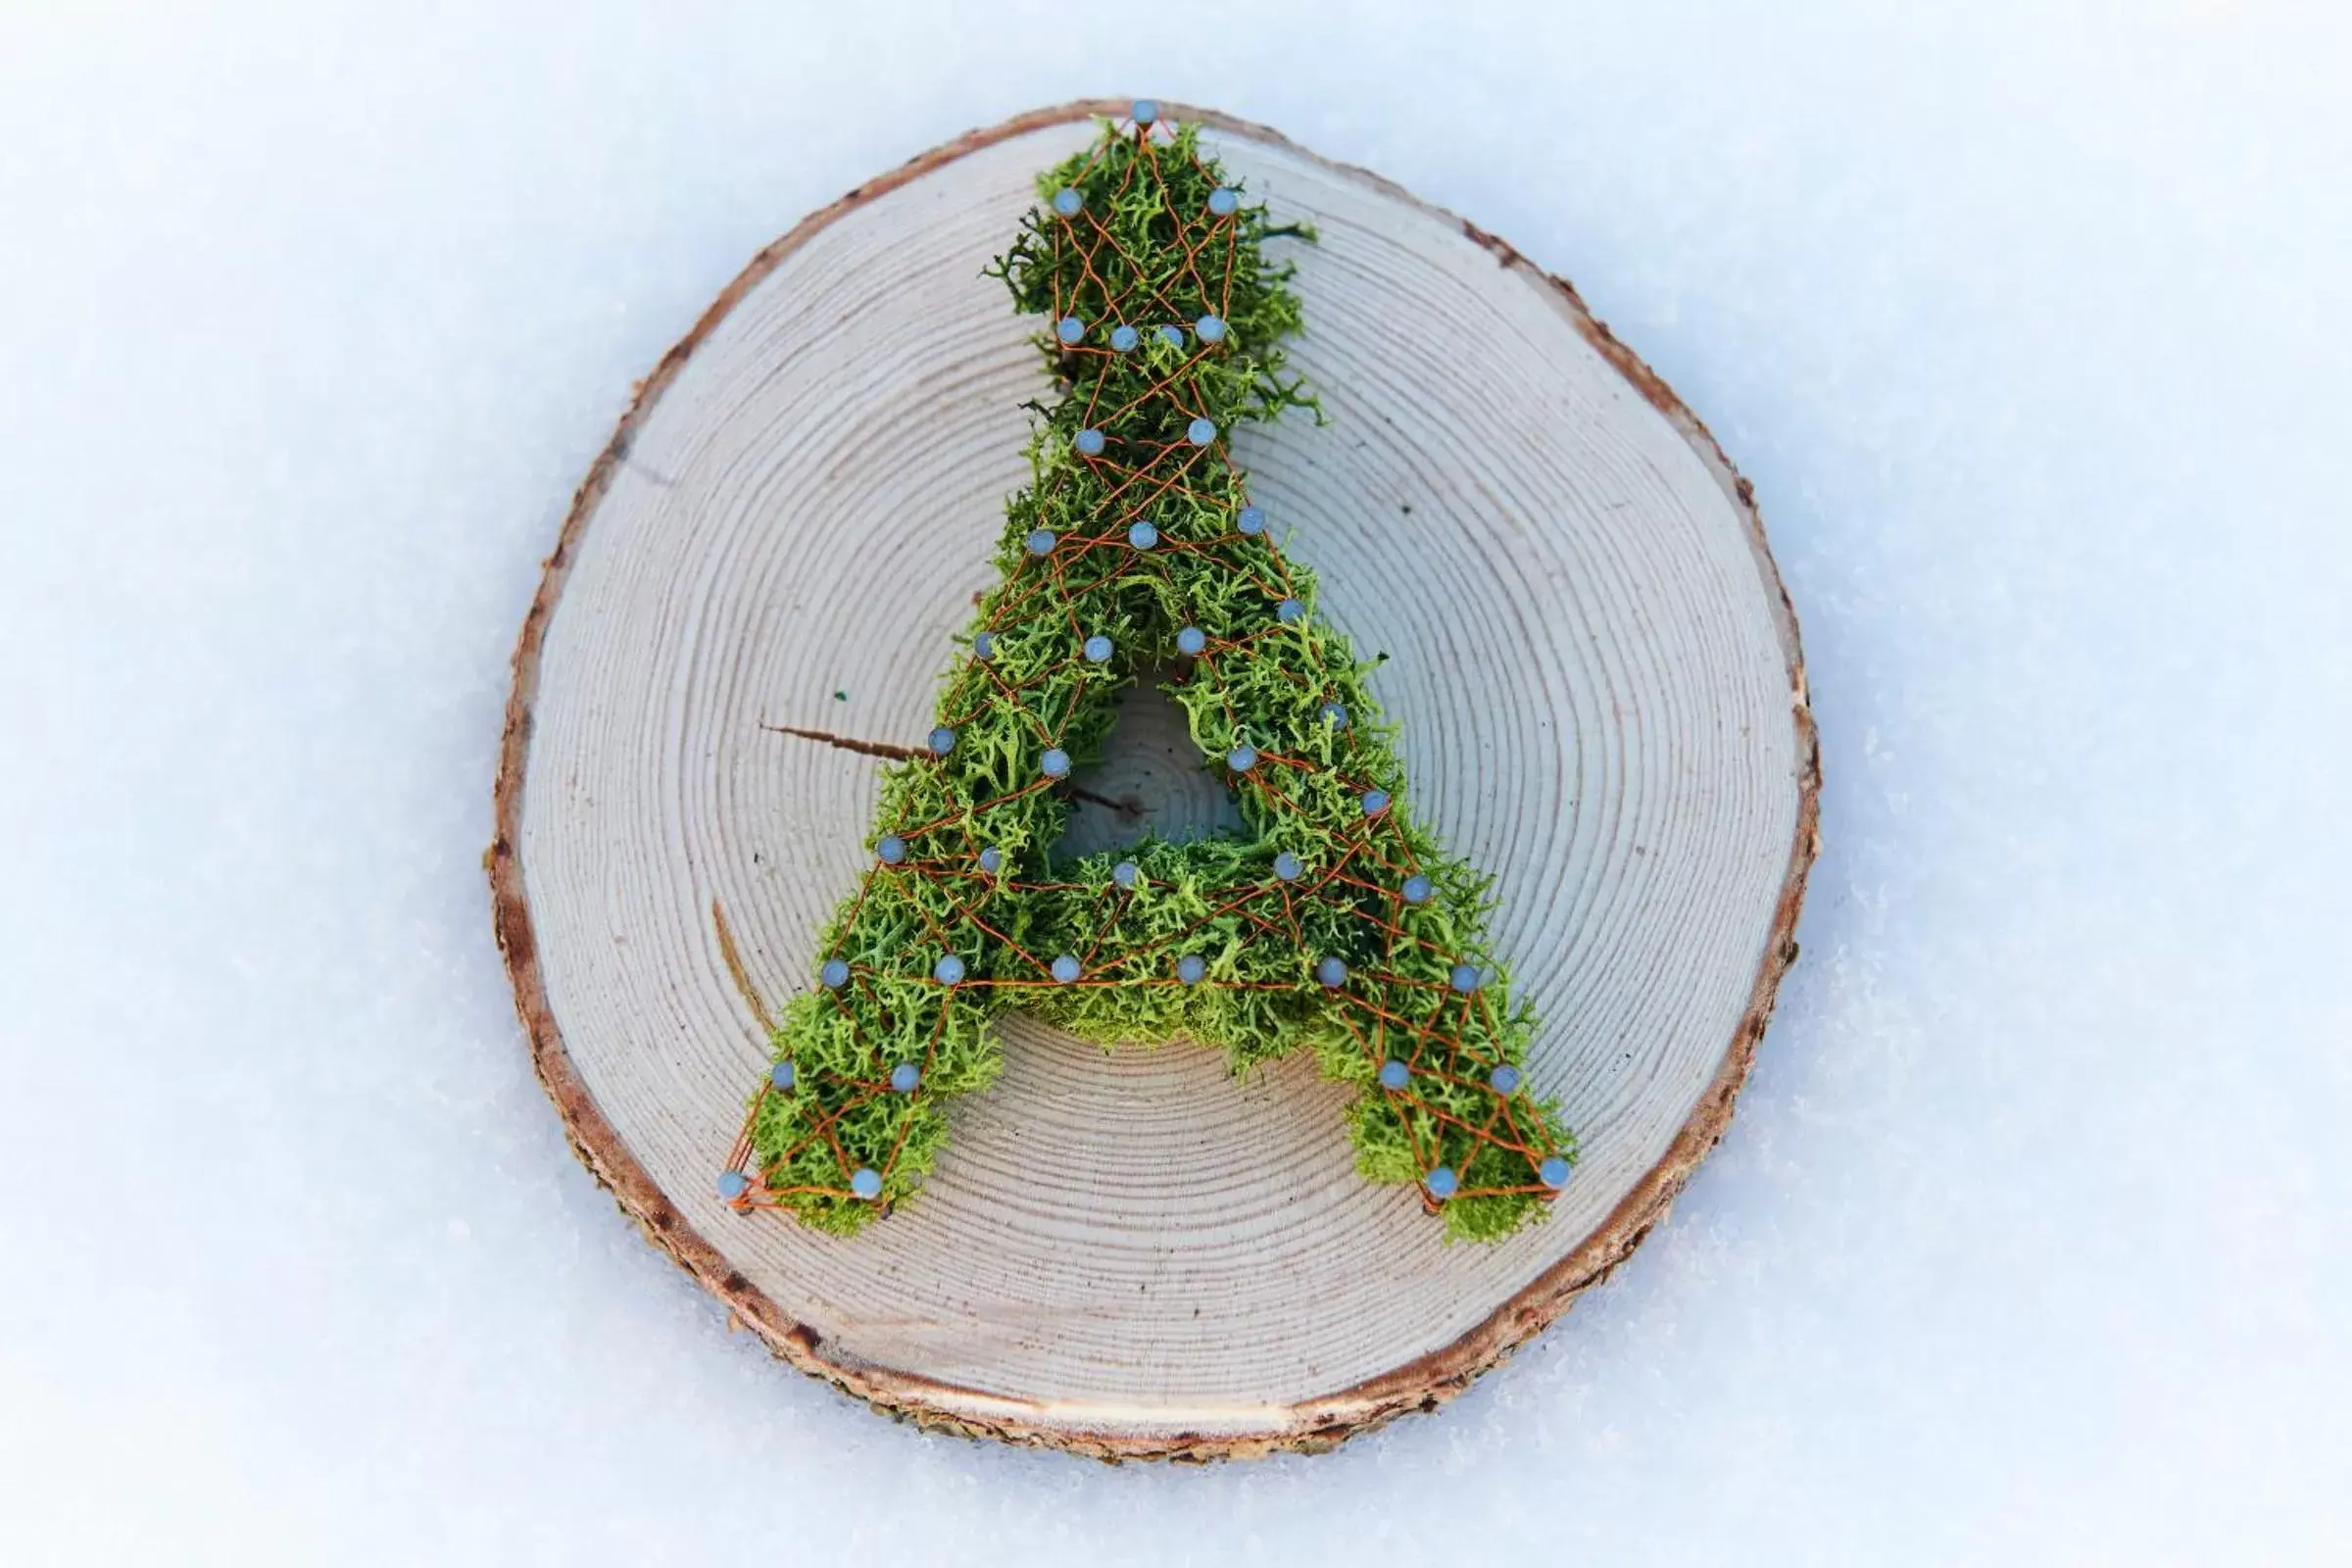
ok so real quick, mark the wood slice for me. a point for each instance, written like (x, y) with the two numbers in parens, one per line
(1602, 700)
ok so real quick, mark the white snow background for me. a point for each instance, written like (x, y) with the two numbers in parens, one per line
(2033, 1240)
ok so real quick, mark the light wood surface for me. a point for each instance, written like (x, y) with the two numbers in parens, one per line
(1602, 700)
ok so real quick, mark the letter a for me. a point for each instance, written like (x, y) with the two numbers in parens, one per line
(1333, 922)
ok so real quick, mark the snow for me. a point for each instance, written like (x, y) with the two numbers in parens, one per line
(2028, 321)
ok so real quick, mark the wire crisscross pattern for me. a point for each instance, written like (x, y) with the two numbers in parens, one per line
(1335, 922)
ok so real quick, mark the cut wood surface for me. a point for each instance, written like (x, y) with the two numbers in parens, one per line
(1602, 702)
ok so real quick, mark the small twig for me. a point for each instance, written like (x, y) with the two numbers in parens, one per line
(734, 961)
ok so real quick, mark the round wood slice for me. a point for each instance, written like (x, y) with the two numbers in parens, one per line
(1132, 1253)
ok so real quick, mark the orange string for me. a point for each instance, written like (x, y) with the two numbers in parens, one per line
(1436, 1052)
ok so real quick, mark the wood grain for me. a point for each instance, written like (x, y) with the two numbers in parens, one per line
(1603, 703)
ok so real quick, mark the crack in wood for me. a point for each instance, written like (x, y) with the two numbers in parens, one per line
(1130, 807)
(849, 743)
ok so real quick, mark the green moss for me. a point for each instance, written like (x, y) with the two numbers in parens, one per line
(1145, 250)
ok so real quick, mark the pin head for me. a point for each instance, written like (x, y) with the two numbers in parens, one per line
(1191, 640)
(1223, 200)
(1442, 1183)
(1066, 969)
(866, 1183)
(782, 1075)
(1332, 973)
(1394, 1074)
(942, 741)
(1055, 763)
(733, 1184)
(1067, 202)
(904, 1078)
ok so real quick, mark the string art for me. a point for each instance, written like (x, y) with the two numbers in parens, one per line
(1333, 922)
